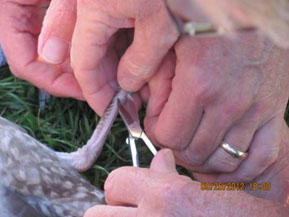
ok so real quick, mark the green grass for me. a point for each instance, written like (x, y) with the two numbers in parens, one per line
(65, 125)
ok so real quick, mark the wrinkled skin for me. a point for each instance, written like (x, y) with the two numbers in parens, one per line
(223, 89)
(160, 191)
(20, 24)
(155, 33)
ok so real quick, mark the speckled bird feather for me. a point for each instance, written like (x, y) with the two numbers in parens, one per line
(36, 182)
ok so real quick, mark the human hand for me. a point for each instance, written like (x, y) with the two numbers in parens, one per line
(20, 25)
(96, 23)
(224, 90)
(160, 191)
(276, 175)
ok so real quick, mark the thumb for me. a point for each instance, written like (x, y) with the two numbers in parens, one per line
(164, 162)
(56, 33)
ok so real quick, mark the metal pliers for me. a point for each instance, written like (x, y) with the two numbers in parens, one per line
(129, 114)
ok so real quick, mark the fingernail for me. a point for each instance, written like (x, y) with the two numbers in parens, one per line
(54, 50)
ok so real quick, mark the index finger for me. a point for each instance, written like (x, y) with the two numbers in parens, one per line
(93, 58)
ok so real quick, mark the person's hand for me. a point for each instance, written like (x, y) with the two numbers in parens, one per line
(232, 90)
(160, 191)
(275, 177)
(91, 35)
(20, 25)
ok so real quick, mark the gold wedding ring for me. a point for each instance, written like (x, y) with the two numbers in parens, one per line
(232, 151)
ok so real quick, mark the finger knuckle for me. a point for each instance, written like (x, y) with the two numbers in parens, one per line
(203, 92)
(190, 158)
(199, 151)
(136, 68)
(172, 139)
(236, 106)
(234, 109)
(195, 158)
(223, 165)
(161, 25)
(22, 21)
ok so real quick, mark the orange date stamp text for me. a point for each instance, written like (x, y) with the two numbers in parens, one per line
(235, 186)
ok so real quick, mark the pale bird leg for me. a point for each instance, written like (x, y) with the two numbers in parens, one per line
(84, 157)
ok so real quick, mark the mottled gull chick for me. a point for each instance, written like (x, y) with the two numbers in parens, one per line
(35, 182)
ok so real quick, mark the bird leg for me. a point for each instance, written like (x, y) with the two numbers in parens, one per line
(84, 157)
